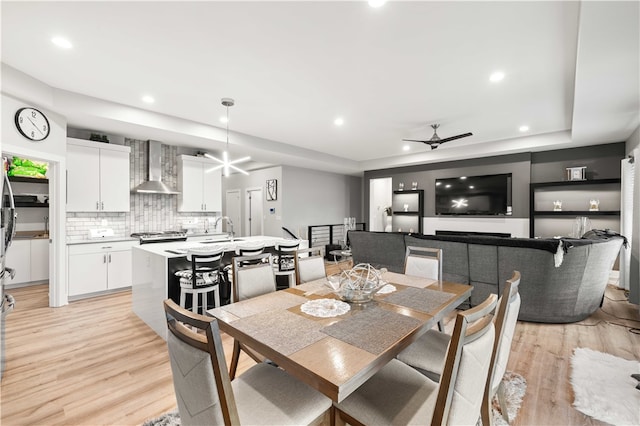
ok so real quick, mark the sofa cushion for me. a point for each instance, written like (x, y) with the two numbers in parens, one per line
(380, 249)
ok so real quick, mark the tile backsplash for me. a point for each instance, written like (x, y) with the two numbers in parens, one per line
(149, 212)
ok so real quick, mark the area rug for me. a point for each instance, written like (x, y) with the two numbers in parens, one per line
(603, 387)
(515, 387)
(514, 384)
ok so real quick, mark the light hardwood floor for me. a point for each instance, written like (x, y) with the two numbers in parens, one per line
(95, 362)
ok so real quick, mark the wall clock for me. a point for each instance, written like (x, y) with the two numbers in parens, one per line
(32, 124)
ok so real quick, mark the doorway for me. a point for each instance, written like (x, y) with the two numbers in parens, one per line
(233, 210)
(254, 215)
(380, 195)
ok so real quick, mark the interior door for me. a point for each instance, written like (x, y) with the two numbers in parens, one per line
(254, 211)
(233, 210)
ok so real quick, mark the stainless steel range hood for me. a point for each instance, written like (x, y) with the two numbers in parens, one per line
(154, 184)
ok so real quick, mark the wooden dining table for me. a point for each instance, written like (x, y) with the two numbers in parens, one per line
(335, 355)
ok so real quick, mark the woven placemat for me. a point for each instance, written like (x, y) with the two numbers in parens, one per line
(281, 330)
(267, 302)
(373, 330)
(419, 299)
(408, 280)
(318, 287)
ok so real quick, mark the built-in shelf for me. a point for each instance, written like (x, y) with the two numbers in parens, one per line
(571, 189)
(24, 204)
(27, 179)
(411, 219)
(407, 213)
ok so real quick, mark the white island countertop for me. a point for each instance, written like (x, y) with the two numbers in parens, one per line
(180, 248)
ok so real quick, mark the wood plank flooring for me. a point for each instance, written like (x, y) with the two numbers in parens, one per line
(95, 362)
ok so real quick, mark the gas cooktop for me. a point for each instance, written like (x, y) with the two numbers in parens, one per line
(160, 237)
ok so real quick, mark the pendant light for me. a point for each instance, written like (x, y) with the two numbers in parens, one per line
(225, 163)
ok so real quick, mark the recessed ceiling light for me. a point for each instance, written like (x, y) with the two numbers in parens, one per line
(447, 186)
(463, 177)
(61, 42)
(148, 99)
(377, 3)
(338, 121)
(496, 76)
(524, 128)
(471, 186)
(224, 119)
(438, 183)
(406, 148)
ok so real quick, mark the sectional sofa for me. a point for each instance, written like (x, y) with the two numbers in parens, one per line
(563, 280)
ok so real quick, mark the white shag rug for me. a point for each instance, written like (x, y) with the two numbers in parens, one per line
(603, 387)
(514, 384)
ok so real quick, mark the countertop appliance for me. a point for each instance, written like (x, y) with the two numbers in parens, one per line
(8, 218)
(160, 237)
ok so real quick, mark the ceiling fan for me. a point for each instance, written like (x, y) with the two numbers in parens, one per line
(435, 140)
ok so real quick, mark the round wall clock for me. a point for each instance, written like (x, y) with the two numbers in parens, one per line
(32, 124)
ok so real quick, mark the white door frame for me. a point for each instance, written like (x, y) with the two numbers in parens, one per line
(57, 219)
(247, 209)
(238, 225)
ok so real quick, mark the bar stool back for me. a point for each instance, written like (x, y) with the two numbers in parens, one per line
(202, 278)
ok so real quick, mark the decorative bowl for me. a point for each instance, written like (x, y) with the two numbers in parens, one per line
(357, 285)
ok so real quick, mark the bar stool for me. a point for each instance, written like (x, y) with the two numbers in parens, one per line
(201, 279)
(285, 260)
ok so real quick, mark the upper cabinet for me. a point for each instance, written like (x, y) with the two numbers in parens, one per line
(200, 187)
(97, 177)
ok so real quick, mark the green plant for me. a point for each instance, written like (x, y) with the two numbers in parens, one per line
(387, 210)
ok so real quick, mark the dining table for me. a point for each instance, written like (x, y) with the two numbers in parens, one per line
(334, 346)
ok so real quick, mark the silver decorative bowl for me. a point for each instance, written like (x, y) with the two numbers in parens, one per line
(357, 285)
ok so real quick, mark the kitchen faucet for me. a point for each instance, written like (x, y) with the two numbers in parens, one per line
(229, 222)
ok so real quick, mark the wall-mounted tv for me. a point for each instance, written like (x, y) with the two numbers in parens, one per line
(474, 195)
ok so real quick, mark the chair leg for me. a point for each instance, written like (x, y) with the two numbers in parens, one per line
(194, 302)
(502, 399)
(216, 296)
(235, 357)
(183, 296)
(205, 303)
(441, 326)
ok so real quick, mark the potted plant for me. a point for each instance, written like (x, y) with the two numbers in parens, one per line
(388, 213)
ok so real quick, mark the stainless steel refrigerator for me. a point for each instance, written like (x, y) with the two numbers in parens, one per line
(7, 232)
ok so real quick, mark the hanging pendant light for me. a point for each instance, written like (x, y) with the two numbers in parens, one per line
(225, 163)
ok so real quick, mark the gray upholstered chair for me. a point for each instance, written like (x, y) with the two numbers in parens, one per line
(252, 277)
(424, 262)
(264, 394)
(398, 394)
(427, 354)
(309, 265)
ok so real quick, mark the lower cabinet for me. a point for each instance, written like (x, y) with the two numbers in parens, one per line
(97, 267)
(30, 259)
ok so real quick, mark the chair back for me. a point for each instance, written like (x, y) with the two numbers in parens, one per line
(309, 265)
(252, 276)
(466, 367)
(286, 253)
(505, 323)
(249, 249)
(423, 262)
(205, 266)
(200, 379)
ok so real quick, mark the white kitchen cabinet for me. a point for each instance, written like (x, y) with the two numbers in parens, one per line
(97, 177)
(97, 267)
(39, 259)
(200, 187)
(30, 259)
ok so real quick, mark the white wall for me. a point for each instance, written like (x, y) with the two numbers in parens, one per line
(633, 148)
(257, 179)
(380, 197)
(52, 150)
(312, 197)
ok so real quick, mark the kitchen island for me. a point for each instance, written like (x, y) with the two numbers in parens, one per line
(154, 266)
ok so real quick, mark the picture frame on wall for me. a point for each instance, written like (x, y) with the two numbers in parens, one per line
(272, 189)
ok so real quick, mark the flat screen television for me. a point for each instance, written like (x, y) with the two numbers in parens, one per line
(474, 195)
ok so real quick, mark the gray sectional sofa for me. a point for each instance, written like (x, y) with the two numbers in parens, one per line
(563, 280)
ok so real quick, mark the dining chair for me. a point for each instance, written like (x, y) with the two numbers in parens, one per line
(424, 262)
(252, 276)
(264, 394)
(427, 354)
(309, 265)
(202, 278)
(284, 260)
(398, 394)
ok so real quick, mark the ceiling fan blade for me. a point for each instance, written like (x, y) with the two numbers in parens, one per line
(414, 140)
(452, 138)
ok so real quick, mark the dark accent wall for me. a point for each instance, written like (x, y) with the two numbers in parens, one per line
(602, 161)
